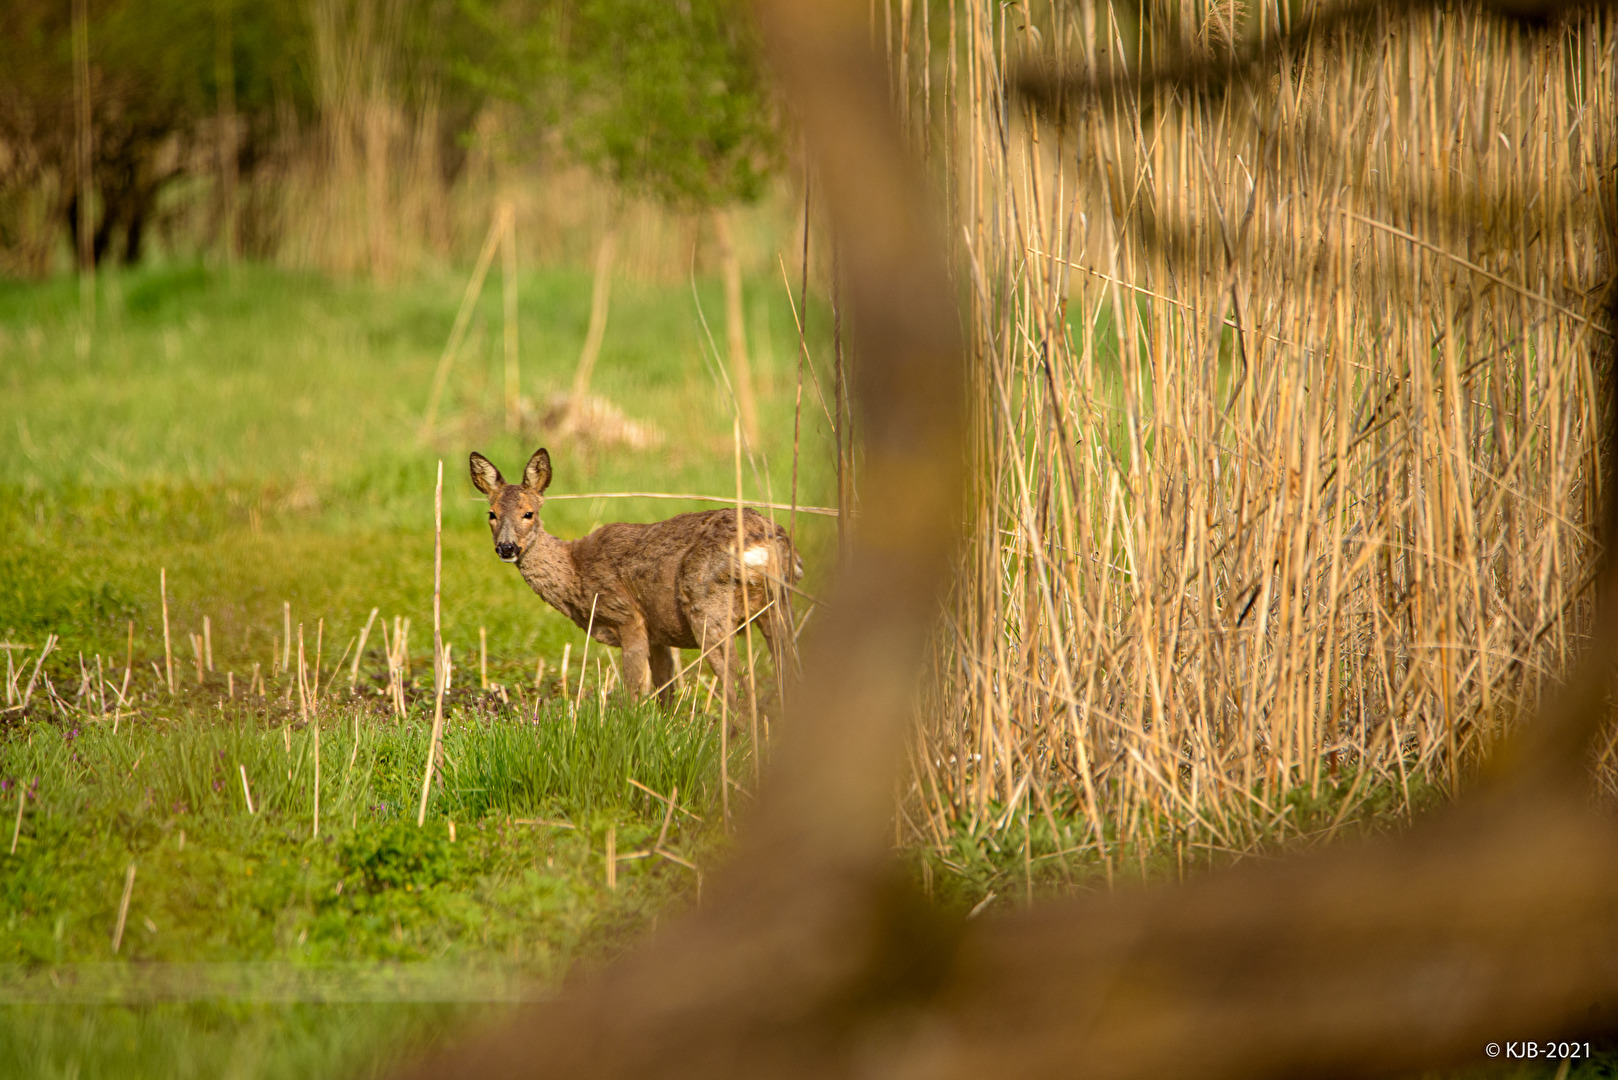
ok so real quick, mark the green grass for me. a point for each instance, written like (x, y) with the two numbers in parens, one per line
(223, 884)
(218, 885)
(255, 437)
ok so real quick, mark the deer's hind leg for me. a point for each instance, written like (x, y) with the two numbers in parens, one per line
(664, 662)
(718, 643)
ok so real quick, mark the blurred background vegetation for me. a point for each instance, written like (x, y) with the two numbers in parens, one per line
(365, 135)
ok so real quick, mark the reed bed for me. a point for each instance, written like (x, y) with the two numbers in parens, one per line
(1284, 406)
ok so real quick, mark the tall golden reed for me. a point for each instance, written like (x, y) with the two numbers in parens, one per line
(1284, 414)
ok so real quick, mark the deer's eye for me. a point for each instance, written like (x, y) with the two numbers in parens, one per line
(491, 515)
(528, 515)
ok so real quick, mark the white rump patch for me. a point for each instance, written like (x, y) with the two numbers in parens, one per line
(758, 555)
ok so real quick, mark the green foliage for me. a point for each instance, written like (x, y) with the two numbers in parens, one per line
(666, 99)
(397, 856)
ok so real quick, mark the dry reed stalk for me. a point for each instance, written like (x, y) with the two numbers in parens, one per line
(16, 828)
(584, 657)
(508, 326)
(207, 642)
(314, 713)
(463, 316)
(168, 651)
(359, 650)
(196, 654)
(747, 618)
(338, 666)
(600, 296)
(612, 857)
(39, 663)
(247, 792)
(123, 910)
(230, 685)
(286, 637)
(438, 646)
(741, 369)
(566, 651)
(483, 659)
(728, 500)
(388, 647)
(1311, 495)
(724, 647)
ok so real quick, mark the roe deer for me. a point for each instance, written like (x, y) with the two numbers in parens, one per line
(649, 589)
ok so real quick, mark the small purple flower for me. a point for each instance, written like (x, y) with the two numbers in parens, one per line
(5, 785)
(70, 736)
(218, 785)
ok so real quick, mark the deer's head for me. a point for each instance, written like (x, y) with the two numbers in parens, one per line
(513, 508)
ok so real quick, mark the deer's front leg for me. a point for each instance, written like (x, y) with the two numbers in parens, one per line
(637, 658)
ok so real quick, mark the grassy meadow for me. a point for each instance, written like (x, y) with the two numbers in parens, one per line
(256, 436)
(1273, 531)
(253, 435)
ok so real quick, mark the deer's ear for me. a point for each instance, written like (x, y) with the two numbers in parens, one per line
(537, 476)
(485, 477)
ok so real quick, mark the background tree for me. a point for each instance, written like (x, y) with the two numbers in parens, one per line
(153, 68)
(665, 100)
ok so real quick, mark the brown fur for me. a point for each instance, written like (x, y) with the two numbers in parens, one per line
(648, 589)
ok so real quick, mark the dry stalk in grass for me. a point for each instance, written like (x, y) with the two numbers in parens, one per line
(359, 650)
(474, 288)
(440, 675)
(168, 650)
(600, 297)
(1408, 953)
(824, 511)
(123, 909)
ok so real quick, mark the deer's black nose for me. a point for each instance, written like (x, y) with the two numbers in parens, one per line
(506, 551)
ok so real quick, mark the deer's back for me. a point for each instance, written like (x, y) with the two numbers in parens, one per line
(680, 571)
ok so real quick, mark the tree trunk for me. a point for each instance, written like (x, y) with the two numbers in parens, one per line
(225, 76)
(741, 371)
